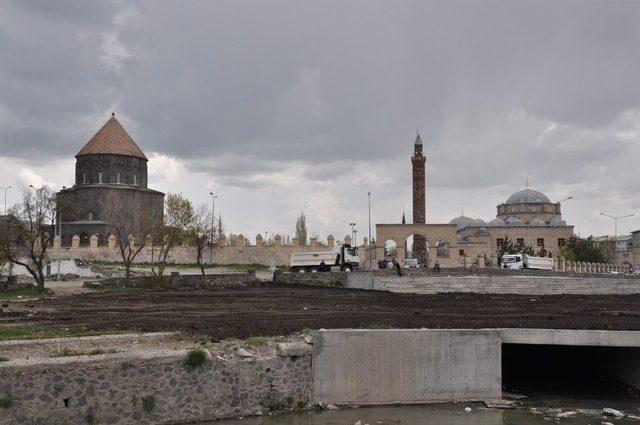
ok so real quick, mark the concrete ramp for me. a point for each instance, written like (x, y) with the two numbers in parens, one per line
(406, 366)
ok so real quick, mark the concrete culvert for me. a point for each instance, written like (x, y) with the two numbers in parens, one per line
(581, 374)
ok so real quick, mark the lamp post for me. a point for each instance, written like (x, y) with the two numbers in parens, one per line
(213, 214)
(615, 220)
(370, 244)
(5, 197)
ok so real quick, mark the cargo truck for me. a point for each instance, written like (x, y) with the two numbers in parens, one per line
(523, 261)
(346, 259)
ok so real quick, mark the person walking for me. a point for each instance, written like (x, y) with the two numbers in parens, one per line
(397, 266)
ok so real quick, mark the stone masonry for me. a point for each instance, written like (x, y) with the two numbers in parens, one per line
(156, 388)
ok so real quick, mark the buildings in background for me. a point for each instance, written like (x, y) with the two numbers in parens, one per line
(111, 172)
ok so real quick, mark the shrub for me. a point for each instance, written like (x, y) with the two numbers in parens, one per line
(96, 351)
(256, 341)
(6, 401)
(195, 357)
(149, 403)
(3, 359)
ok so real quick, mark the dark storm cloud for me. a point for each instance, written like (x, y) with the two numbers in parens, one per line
(327, 83)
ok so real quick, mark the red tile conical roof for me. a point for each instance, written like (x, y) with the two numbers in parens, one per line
(112, 139)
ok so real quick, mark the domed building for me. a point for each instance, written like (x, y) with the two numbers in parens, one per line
(110, 170)
(527, 216)
(528, 205)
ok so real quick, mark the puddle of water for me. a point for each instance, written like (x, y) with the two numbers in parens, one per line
(439, 414)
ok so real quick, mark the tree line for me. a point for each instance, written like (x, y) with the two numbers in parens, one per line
(28, 230)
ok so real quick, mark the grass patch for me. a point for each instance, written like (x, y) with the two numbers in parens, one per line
(3, 359)
(196, 357)
(67, 352)
(6, 401)
(115, 288)
(256, 341)
(28, 332)
(27, 292)
(149, 403)
(306, 332)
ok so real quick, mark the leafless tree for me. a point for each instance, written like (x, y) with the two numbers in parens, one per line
(200, 235)
(27, 231)
(179, 216)
(128, 218)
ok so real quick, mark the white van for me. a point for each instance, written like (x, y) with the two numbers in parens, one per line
(522, 261)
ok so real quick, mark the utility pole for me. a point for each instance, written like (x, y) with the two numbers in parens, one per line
(5, 197)
(213, 214)
(370, 244)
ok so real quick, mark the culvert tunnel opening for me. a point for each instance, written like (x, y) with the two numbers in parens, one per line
(578, 376)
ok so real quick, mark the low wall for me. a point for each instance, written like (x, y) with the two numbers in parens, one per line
(178, 281)
(311, 279)
(406, 366)
(516, 284)
(101, 390)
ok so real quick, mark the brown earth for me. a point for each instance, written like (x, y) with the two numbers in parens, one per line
(278, 310)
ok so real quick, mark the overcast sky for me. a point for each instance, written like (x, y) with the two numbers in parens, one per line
(288, 106)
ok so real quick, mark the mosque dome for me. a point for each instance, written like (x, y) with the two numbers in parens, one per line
(537, 222)
(478, 222)
(462, 221)
(496, 222)
(528, 196)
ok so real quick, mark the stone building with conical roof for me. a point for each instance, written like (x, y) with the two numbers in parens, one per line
(110, 168)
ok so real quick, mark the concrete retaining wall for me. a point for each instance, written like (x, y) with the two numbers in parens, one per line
(523, 284)
(406, 366)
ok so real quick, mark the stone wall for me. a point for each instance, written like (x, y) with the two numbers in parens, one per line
(176, 280)
(311, 279)
(227, 254)
(111, 391)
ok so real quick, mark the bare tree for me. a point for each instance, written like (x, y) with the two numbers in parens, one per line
(199, 235)
(27, 232)
(178, 218)
(127, 219)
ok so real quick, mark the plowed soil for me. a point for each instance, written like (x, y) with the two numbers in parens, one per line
(279, 310)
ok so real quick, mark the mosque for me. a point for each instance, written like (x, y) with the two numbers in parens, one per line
(527, 216)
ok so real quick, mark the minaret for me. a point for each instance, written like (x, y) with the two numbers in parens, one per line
(418, 162)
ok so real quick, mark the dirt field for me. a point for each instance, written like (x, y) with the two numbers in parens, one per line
(278, 310)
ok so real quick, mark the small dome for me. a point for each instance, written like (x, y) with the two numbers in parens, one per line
(478, 222)
(496, 222)
(537, 222)
(557, 221)
(528, 196)
(513, 221)
(482, 232)
(462, 221)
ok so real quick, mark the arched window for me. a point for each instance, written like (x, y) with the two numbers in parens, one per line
(442, 248)
(390, 248)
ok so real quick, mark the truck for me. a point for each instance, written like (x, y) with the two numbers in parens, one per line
(523, 261)
(345, 259)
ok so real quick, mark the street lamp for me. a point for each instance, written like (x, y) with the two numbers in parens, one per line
(615, 220)
(213, 213)
(370, 244)
(5, 198)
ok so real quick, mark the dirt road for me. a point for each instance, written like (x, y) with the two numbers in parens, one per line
(278, 310)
